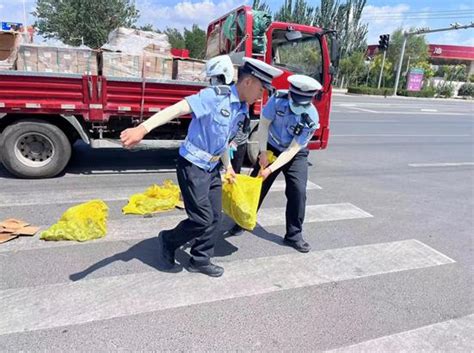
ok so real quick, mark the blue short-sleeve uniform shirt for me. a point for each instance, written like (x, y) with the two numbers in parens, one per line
(284, 120)
(216, 114)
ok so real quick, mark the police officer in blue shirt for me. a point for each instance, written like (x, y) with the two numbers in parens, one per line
(288, 121)
(216, 114)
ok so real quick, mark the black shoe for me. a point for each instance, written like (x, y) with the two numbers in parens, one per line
(210, 269)
(299, 245)
(235, 230)
(165, 255)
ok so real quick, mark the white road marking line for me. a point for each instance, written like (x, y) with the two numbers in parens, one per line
(397, 135)
(137, 227)
(49, 306)
(452, 335)
(43, 197)
(429, 110)
(419, 113)
(363, 121)
(365, 110)
(425, 165)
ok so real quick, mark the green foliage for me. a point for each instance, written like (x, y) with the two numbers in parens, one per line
(466, 90)
(346, 19)
(148, 27)
(175, 38)
(427, 92)
(261, 6)
(353, 68)
(428, 71)
(90, 20)
(455, 72)
(445, 89)
(297, 12)
(384, 91)
(387, 75)
(416, 49)
(195, 41)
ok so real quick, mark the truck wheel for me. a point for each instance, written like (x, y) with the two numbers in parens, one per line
(34, 149)
(252, 147)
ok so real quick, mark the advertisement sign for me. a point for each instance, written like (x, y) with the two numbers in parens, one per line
(415, 79)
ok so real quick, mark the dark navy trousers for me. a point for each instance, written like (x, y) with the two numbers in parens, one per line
(202, 195)
(296, 178)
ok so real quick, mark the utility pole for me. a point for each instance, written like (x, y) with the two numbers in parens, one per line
(406, 35)
(383, 46)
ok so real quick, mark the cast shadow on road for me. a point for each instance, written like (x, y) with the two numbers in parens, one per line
(146, 251)
(86, 160)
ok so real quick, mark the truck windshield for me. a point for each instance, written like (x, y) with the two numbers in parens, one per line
(303, 56)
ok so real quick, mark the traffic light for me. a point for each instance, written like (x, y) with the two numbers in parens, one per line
(383, 42)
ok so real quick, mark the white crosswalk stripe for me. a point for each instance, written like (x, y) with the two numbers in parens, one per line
(448, 336)
(20, 197)
(133, 227)
(28, 309)
(42, 307)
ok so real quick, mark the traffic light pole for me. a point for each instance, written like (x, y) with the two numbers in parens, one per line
(381, 69)
(421, 31)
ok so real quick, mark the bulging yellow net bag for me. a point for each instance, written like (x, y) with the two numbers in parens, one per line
(240, 200)
(83, 222)
(155, 199)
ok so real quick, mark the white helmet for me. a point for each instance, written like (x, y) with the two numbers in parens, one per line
(220, 65)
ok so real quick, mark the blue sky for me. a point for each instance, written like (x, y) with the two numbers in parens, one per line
(383, 16)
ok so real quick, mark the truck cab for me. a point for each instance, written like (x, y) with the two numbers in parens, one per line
(293, 48)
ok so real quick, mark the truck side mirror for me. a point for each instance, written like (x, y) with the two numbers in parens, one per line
(335, 47)
(292, 35)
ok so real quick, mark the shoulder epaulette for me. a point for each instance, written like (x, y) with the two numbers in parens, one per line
(222, 90)
(281, 93)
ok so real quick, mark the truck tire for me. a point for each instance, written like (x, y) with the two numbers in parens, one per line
(34, 149)
(252, 147)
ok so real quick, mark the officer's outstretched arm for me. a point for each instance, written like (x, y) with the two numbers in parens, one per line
(166, 115)
(286, 156)
(132, 136)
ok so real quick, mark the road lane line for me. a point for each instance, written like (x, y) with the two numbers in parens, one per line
(428, 165)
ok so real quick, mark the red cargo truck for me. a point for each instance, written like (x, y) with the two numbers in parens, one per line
(43, 114)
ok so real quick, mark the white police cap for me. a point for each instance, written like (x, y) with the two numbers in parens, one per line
(261, 70)
(303, 88)
(220, 65)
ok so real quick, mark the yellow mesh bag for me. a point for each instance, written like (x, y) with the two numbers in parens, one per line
(155, 199)
(83, 222)
(240, 200)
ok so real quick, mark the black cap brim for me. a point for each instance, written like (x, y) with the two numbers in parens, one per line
(299, 99)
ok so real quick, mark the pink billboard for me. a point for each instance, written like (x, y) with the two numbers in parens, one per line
(415, 79)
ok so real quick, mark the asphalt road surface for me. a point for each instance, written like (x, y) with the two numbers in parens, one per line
(389, 216)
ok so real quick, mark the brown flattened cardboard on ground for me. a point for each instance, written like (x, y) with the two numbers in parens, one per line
(13, 223)
(27, 231)
(13, 228)
(4, 237)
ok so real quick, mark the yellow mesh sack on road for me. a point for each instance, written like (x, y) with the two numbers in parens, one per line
(155, 199)
(83, 222)
(240, 200)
